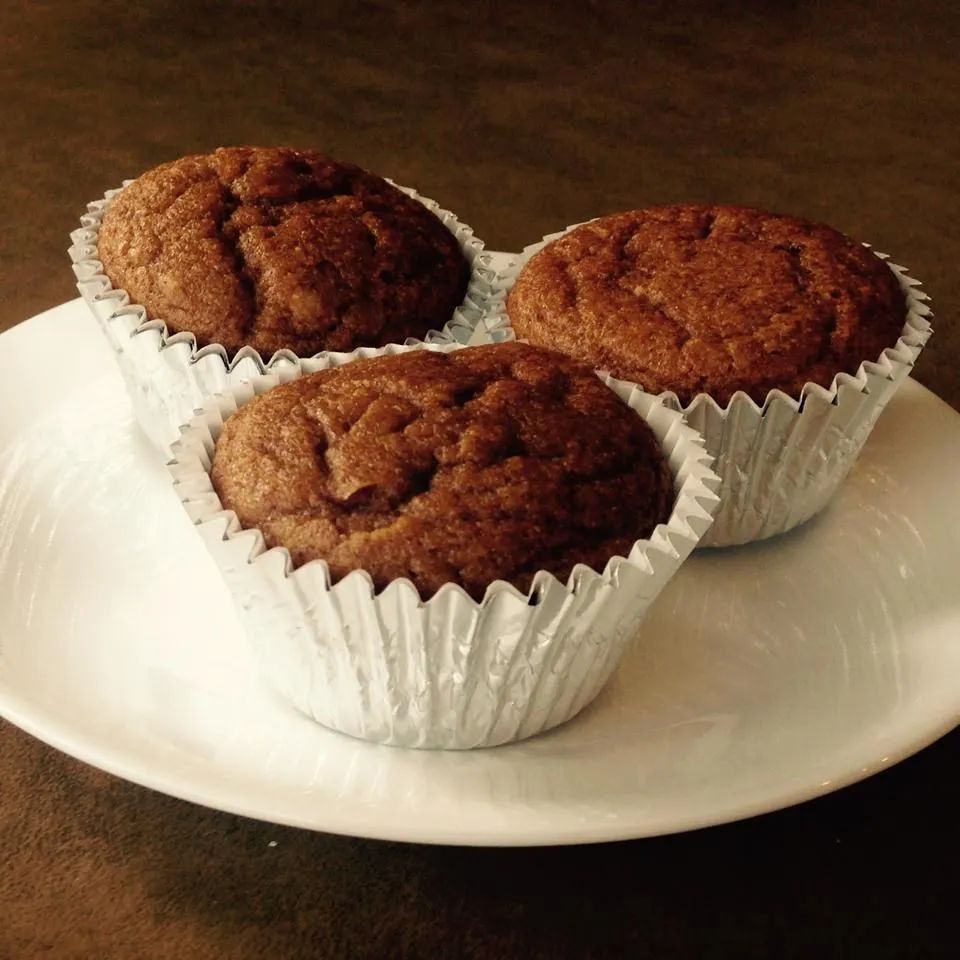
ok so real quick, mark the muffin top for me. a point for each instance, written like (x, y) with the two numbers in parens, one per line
(710, 299)
(481, 464)
(278, 248)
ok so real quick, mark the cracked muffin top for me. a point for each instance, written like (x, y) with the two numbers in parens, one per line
(481, 464)
(710, 299)
(278, 248)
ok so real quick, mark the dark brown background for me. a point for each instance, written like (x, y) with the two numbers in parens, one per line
(521, 118)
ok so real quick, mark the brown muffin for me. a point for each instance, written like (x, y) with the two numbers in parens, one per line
(710, 299)
(278, 248)
(486, 463)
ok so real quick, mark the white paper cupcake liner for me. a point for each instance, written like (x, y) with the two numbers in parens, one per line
(780, 461)
(168, 377)
(446, 672)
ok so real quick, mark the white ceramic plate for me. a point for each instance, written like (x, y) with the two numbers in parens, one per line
(765, 675)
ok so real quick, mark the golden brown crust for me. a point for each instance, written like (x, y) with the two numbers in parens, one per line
(485, 463)
(710, 299)
(281, 249)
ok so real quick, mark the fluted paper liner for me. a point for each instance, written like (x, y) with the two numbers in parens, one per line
(781, 461)
(446, 672)
(168, 376)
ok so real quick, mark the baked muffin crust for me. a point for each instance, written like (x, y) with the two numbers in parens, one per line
(279, 248)
(480, 464)
(710, 299)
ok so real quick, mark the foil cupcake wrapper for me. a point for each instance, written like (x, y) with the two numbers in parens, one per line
(781, 461)
(449, 671)
(168, 376)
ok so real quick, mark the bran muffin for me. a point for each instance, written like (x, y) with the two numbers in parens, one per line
(710, 299)
(471, 466)
(276, 248)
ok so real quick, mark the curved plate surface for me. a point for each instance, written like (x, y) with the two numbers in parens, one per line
(765, 675)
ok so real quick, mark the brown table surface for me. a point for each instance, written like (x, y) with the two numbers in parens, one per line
(522, 117)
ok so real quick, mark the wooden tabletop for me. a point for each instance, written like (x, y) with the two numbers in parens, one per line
(522, 118)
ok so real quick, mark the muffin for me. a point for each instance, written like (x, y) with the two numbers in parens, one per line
(781, 340)
(393, 472)
(211, 269)
(710, 299)
(489, 463)
(281, 249)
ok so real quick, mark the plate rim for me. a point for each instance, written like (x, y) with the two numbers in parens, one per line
(414, 832)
